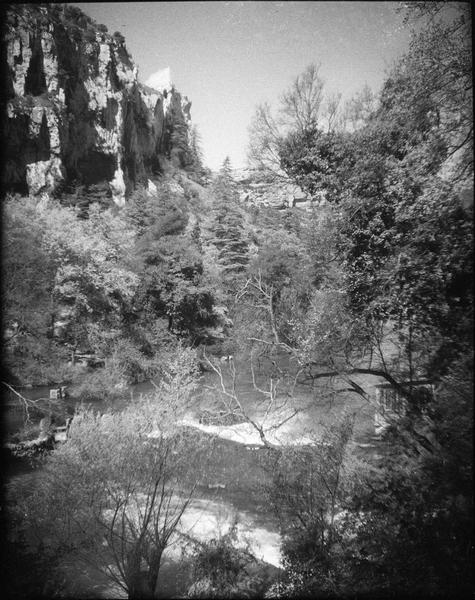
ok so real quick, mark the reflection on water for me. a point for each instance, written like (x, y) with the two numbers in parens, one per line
(14, 416)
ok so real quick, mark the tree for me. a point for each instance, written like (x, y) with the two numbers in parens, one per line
(439, 67)
(158, 214)
(225, 228)
(308, 490)
(399, 233)
(404, 249)
(118, 486)
(359, 108)
(195, 159)
(222, 569)
(302, 102)
(82, 278)
(92, 281)
(422, 505)
(173, 284)
(398, 224)
(302, 108)
(316, 160)
(176, 287)
(279, 273)
(224, 184)
(28, 273)
(319, 235)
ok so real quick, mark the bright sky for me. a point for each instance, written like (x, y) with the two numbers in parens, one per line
(227, 57)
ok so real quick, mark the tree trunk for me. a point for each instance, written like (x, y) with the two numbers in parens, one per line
(153, 571)
(139, 587)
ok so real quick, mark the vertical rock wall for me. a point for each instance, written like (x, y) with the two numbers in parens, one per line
(75, 110)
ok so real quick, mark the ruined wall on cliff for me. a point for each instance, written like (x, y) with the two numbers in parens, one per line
(74, 110)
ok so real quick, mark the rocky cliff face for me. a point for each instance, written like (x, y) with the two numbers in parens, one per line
(74, 110)
(257, 189)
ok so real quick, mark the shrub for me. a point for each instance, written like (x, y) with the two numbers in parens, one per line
(113, 487)
(129, 361)
(103, 384)
(223, 569)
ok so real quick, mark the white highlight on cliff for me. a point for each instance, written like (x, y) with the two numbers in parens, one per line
(161, 80)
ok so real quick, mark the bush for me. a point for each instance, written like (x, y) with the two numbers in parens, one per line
(103, 384)
(39, 363)
(309, 490)
(128, 361)
(223, 569)
(24, 573)
(130, 461)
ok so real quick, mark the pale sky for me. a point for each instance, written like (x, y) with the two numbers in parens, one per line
(227, 57)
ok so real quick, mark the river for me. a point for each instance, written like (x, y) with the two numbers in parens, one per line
(223, 493)
(230, 487)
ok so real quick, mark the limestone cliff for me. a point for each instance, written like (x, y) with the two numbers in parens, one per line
(74, 110)
(257, 188)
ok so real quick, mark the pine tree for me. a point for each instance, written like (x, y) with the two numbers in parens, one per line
(226, 169)
(195, 150)
(228, 234)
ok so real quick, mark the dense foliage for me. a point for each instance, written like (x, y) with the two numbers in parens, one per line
(92, 285)
(223, 569)
(400, 306)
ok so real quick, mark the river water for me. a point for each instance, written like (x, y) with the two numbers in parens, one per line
(223, 493)
(13, 414)
(217, 503)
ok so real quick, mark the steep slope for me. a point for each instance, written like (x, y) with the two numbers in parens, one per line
(74, 109)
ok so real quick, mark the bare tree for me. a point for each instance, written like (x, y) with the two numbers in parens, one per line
(334, 118)
(358, 108)
(331, 347)
(301, 105)
(264, 138)
(119, 488)
(27, 404)
(301, 108)
(271, 401)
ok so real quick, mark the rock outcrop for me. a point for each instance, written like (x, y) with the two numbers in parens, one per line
(74, 109)
(258, 189)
